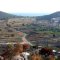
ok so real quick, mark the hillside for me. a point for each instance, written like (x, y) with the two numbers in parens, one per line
(48, 17)
(4, 16)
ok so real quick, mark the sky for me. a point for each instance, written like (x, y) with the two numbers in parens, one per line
(29, 6)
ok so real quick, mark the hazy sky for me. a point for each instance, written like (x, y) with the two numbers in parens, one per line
(27, 6)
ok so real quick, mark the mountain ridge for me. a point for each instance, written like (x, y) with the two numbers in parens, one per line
(49, 17)
(4, 15)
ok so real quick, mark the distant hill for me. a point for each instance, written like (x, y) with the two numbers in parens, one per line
(48, 17)
(4, 16)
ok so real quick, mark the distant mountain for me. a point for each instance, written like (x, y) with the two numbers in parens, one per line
(4, 16)
(30, 14)
(48, 17)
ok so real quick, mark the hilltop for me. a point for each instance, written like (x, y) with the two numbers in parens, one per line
(49, 17)
(4, 15)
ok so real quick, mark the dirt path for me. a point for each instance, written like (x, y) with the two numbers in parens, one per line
(25, 40)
